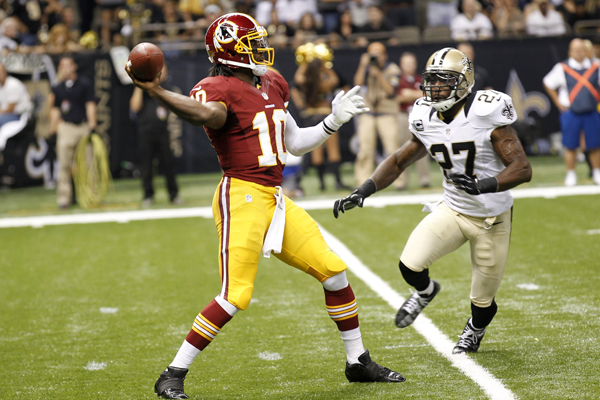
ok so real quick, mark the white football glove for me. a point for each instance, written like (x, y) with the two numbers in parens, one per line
(344, 107)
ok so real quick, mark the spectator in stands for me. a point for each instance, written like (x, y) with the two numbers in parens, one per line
(482, 77)
(441, 12)
(578, 10)
(377, 22)
(266, 13)
(14, 97)
(72, 117)
(573, 86)
(345, 28)
(379, 80)
(191, 10)
(409, 90)
(359, 9)
(399, 12)
(245, 7)
(290, 11)
(307, 29)
(109, 21)
(29, 14)
(59, 41)
(171, 15)
(154, 139)
(508, 19)
(545, 21)
(51, 14)
(9, 37)
(67, 17)
(471, 24)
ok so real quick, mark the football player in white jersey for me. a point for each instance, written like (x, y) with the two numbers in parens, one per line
(481, 158)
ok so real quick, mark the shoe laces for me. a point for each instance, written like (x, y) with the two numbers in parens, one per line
(469, 337)
(413, 303)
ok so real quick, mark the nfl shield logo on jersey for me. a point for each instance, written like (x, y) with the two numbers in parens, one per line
(266, 97)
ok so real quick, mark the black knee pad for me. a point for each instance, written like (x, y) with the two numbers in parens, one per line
(418, 280)
(482, 317)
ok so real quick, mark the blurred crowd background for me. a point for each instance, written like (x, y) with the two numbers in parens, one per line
(333, 43)
(57, 26)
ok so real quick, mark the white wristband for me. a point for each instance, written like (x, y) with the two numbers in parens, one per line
(330, 126)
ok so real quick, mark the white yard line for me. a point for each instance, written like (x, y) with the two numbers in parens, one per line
(492, 386)
(206, 212)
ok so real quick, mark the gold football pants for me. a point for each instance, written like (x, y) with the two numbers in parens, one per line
(243, 211)
(445, 230)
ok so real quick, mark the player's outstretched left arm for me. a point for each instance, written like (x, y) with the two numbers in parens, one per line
(518, 170)
(385, 173)
(299, 141)
(211, 114)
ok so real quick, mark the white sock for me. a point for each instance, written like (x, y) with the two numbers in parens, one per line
(596, 171)
(427, 292)
(185, 356)
(353, 344)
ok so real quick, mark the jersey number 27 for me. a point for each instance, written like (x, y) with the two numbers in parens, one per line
(457, 148)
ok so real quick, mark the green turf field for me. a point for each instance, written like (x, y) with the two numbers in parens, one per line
(96, 311)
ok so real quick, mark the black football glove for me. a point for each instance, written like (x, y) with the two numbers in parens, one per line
(474, 186)
(357, 198)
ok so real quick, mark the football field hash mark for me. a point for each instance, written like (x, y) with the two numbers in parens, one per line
(528, 286)
(268, 356)
(492, 386)
(95, 366)
(109, 310)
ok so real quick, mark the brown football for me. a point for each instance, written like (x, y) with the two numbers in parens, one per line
(146, 61)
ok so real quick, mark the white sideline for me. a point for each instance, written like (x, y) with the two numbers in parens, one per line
(206, 212)
(493, 387)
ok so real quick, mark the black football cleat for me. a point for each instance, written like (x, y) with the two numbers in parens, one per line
(469, 340)
(170, 384)
(369, 371)
(413, 306)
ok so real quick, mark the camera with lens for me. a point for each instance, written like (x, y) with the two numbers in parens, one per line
(373, 60)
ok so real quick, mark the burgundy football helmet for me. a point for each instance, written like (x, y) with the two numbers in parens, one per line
(238, 41)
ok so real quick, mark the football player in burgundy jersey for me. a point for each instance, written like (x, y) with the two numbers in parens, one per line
(242, 106)
(481, 158)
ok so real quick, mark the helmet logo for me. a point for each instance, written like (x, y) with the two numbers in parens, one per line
(467, 63)
(226, 32)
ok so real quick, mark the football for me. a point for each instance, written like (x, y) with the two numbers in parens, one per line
(146, 61)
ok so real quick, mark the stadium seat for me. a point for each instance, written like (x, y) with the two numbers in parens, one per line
(437, 34)
(407, 34)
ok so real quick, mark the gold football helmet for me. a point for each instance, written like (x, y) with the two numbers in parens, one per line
(447, 69)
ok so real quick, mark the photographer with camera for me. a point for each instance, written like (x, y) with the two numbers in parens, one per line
(379, 80)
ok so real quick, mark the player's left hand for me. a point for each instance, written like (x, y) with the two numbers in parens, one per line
(347, 203)
(473, 186)
(346, 105)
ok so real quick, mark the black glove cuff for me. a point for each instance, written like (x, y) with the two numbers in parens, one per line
(367, 188)
(488, 185)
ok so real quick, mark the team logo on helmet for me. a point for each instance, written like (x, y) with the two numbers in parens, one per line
(226, 32)
(467, 63)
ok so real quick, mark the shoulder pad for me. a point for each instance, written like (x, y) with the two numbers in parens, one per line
(419, 116)
(495, 108)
